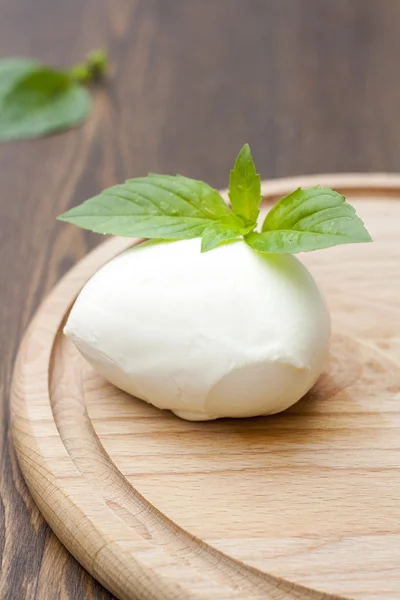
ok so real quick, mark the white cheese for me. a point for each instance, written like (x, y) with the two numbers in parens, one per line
(227, 333)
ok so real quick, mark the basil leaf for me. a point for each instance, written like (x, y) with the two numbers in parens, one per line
(157, 206)
(245, 187)
(193, 193)
(36, 101)
(164, 207)
(14, 69)
(306, 220)
(219, 233)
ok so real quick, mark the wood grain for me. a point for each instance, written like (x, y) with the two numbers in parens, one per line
(300, 505)
(313, 86)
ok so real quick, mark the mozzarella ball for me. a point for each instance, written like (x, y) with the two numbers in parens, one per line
(226, 333)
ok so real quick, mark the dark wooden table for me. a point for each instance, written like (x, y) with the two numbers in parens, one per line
(313, 86)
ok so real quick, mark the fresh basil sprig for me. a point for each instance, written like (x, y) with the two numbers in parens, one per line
(36, 100)
(177, 208)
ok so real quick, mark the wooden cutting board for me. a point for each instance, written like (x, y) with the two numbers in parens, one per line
(303, 505)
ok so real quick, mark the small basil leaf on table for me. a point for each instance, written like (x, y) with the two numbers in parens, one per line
(36, 100)
(94, 68)
(41, 102)
(306, 220)
(13, 70)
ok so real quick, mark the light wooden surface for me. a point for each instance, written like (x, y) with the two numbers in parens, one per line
(300, 505)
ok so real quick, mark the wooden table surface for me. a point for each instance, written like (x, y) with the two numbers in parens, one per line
(312, 86)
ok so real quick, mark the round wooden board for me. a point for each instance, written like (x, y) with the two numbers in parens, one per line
(304, 505)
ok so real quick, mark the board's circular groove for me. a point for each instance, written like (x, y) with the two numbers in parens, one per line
(115, 532)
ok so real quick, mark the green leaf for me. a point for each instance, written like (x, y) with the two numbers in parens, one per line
(219, 233)
(93, 69)
(36, 101)
(157, 206)
(245, 187)
(306, 220)
(164, 207)
(14, 69)
(195, 195)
